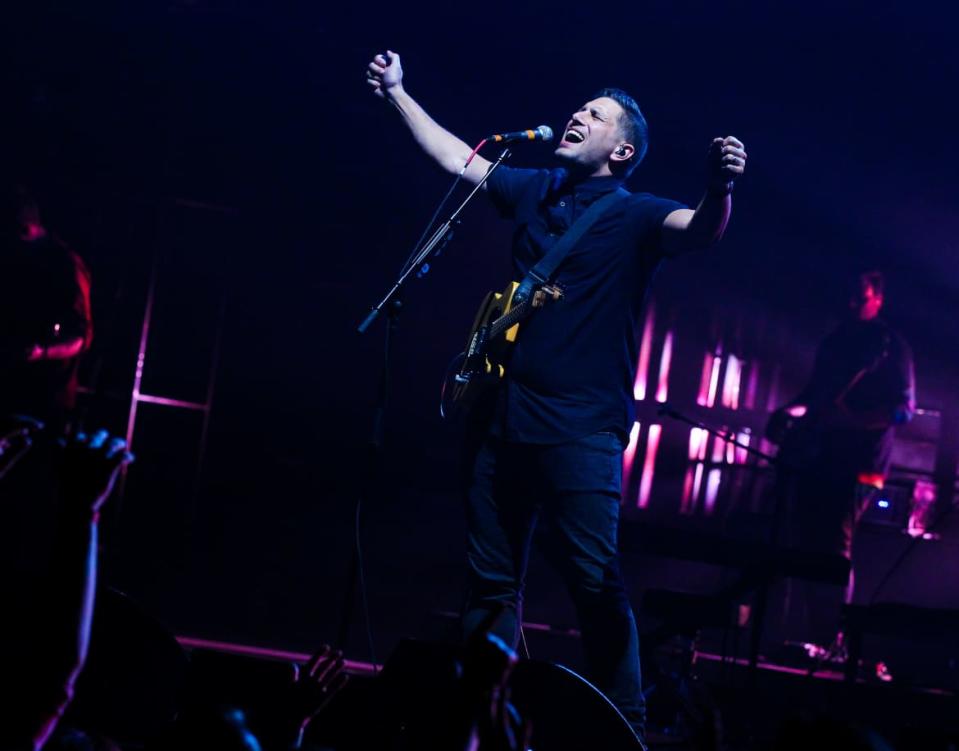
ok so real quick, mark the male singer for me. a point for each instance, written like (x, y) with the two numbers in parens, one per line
(552, 446)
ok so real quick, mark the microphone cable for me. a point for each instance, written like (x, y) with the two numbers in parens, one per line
(357, 517)
(440, 207)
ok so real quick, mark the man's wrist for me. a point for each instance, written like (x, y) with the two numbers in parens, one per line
(721, 189)
(394, 92)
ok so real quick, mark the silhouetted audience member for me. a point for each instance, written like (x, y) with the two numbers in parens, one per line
(48, 618)
(210, 728)
(74, 739)
(277, 718)
(313, 687)
(45, 318)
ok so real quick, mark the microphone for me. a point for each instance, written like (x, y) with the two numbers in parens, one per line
(542, 133)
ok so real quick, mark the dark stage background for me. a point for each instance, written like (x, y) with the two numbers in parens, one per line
(232, 153)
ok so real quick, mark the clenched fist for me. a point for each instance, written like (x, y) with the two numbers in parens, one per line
(726, 161)
(385, 74)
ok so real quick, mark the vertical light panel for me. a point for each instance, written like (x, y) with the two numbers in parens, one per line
(719, 449)
(642, 367)
(714, 381)
(712, 490)
(703, 394)
(731, 382)
(698, 443)
(649, 465)
(697, 483)
(744, 437)
(629, 457)
(665, 361)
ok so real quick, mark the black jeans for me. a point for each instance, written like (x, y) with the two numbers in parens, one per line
(574, 490)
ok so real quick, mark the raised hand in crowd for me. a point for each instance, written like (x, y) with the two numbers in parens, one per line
(313, 687)
(16, 438)
(57, 625)
(89, 468)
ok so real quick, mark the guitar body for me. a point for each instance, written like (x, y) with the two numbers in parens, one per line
(800, 434)
(799, 440)
(482, 365)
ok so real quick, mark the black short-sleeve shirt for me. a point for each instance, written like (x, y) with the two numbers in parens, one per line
(871, 366)
(572, 369)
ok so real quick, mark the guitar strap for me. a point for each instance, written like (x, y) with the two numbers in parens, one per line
(544, 270)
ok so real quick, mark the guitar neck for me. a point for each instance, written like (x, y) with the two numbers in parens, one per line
(508, 320)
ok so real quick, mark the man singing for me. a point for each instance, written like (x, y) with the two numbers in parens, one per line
(552, 446)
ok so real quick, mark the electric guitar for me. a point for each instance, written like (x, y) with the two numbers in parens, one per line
(494, 332)
(799, 429)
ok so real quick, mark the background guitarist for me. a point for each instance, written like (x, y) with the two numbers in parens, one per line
(836, 435)
(552, 447)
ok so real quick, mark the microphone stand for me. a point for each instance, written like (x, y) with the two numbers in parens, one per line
(667, 410)
(442, 235)
(375, 458)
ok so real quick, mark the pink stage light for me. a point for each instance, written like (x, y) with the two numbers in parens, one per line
(741, 454)
(698, 439)
(698, 443)
(719, 448)
(662, 388)
(731, 382)
(649, 465)
(629, 457)
(714, 381)
(642, 367)
(697, 485)
(712, 490)
(703, 394)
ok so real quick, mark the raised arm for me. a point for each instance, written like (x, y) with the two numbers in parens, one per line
(385, 75)
(90, 465)
(685, 230)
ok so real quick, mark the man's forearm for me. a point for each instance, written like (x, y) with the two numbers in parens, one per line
(710, 218)
(446, 149)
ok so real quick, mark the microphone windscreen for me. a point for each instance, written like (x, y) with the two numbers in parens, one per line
(546, 132)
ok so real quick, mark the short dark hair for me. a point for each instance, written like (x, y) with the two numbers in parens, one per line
(631, 122)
